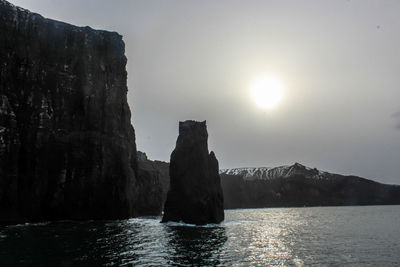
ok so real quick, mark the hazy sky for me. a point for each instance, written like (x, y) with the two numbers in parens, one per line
(339, 62)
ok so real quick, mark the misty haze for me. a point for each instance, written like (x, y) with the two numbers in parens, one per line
(199, 133)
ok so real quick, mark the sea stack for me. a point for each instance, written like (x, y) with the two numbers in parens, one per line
(195, 195)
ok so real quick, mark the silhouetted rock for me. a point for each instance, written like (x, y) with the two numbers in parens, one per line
(67, 147)
(155, 178)
(195, 194)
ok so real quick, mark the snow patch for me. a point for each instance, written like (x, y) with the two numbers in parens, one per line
(285, 171)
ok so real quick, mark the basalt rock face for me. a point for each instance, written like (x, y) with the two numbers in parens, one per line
(195, 194)
(154, 176)
(67, 147)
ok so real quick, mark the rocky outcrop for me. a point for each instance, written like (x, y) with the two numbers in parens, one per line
(155, 178)
(195, 194)
(67, 147)
(297, 186)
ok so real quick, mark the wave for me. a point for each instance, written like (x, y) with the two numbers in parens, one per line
(157, 221)
(30, 224)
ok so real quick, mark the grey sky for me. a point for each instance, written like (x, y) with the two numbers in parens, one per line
(339, 62)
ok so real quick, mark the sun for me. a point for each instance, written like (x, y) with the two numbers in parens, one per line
(266, 91)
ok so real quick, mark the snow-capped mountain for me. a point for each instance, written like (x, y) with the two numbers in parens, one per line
(297, 186)
(265, 173)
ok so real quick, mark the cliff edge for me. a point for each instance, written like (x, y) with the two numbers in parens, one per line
(67, 146)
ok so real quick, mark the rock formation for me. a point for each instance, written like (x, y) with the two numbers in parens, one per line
(155, 178)
(67, 147)
(195, 194)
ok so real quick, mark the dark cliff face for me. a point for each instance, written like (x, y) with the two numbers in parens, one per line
(154, 176)
(67, 147)
(195, 194)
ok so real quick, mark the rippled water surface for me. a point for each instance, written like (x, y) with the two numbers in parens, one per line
(367, 236)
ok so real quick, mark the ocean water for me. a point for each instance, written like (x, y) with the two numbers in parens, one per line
(321, 236)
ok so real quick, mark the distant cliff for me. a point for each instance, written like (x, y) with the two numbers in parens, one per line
(155, 178)
(67, 147)
(298, 185)
(293, 185)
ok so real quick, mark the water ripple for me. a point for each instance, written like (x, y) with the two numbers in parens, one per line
(368, 236)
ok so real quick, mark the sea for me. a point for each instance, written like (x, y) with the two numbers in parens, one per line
(314, 236)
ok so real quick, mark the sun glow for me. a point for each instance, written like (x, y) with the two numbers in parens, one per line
(266, 91)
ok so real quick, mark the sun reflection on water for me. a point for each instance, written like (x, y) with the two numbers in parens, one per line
(259, 237)
(269, 241)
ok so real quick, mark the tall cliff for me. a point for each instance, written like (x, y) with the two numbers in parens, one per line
(67, 147)
(195, 195)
